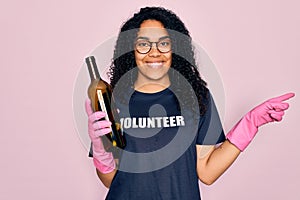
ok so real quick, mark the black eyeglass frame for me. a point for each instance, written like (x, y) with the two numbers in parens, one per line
(151, 44)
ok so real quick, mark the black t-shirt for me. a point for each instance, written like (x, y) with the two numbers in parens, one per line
(159, 160)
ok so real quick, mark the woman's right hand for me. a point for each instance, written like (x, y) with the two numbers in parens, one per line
(97, 126)
(103, 160)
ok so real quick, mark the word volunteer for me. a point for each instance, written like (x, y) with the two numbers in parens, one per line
(152, 122)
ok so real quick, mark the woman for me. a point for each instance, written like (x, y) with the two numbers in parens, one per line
(153, 62)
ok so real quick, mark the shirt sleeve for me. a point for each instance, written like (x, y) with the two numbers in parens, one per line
(210, 131)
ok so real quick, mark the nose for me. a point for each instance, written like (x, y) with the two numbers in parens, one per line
(154, 52)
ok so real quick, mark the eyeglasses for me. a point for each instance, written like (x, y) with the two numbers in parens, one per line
(144, 46)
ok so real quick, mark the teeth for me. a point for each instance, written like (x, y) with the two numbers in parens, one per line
(155, 64)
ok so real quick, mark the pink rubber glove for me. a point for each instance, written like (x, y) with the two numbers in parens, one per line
(245, 130)
(103, 161)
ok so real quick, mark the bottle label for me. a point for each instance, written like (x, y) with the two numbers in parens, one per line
(102, 103)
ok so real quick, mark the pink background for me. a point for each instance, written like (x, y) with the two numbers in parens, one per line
(254, 45)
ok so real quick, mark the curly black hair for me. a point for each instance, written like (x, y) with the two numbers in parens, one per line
(183, 60)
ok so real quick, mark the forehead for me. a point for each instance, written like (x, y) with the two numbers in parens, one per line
(152, 29)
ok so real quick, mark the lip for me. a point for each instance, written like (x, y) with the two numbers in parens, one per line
(155, 64)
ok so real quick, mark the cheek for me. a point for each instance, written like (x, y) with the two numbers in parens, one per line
(138, 58)
(169, 58)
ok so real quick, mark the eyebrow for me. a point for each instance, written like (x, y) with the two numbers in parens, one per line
(146, 38)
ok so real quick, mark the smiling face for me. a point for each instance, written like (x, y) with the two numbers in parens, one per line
(153, 66)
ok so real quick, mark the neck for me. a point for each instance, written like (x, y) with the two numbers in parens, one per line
(151, 86)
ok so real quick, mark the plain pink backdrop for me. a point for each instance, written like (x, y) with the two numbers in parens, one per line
(254, 45)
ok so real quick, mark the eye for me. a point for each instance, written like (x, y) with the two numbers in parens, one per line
(142, 44)
(164, 43)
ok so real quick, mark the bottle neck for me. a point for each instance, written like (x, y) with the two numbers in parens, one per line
(92, 67)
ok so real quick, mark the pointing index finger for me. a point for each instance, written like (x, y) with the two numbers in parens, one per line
(284, 97)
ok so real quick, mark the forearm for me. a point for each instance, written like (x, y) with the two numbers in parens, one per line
(106, 179)
(219, 160)
(103, 161)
